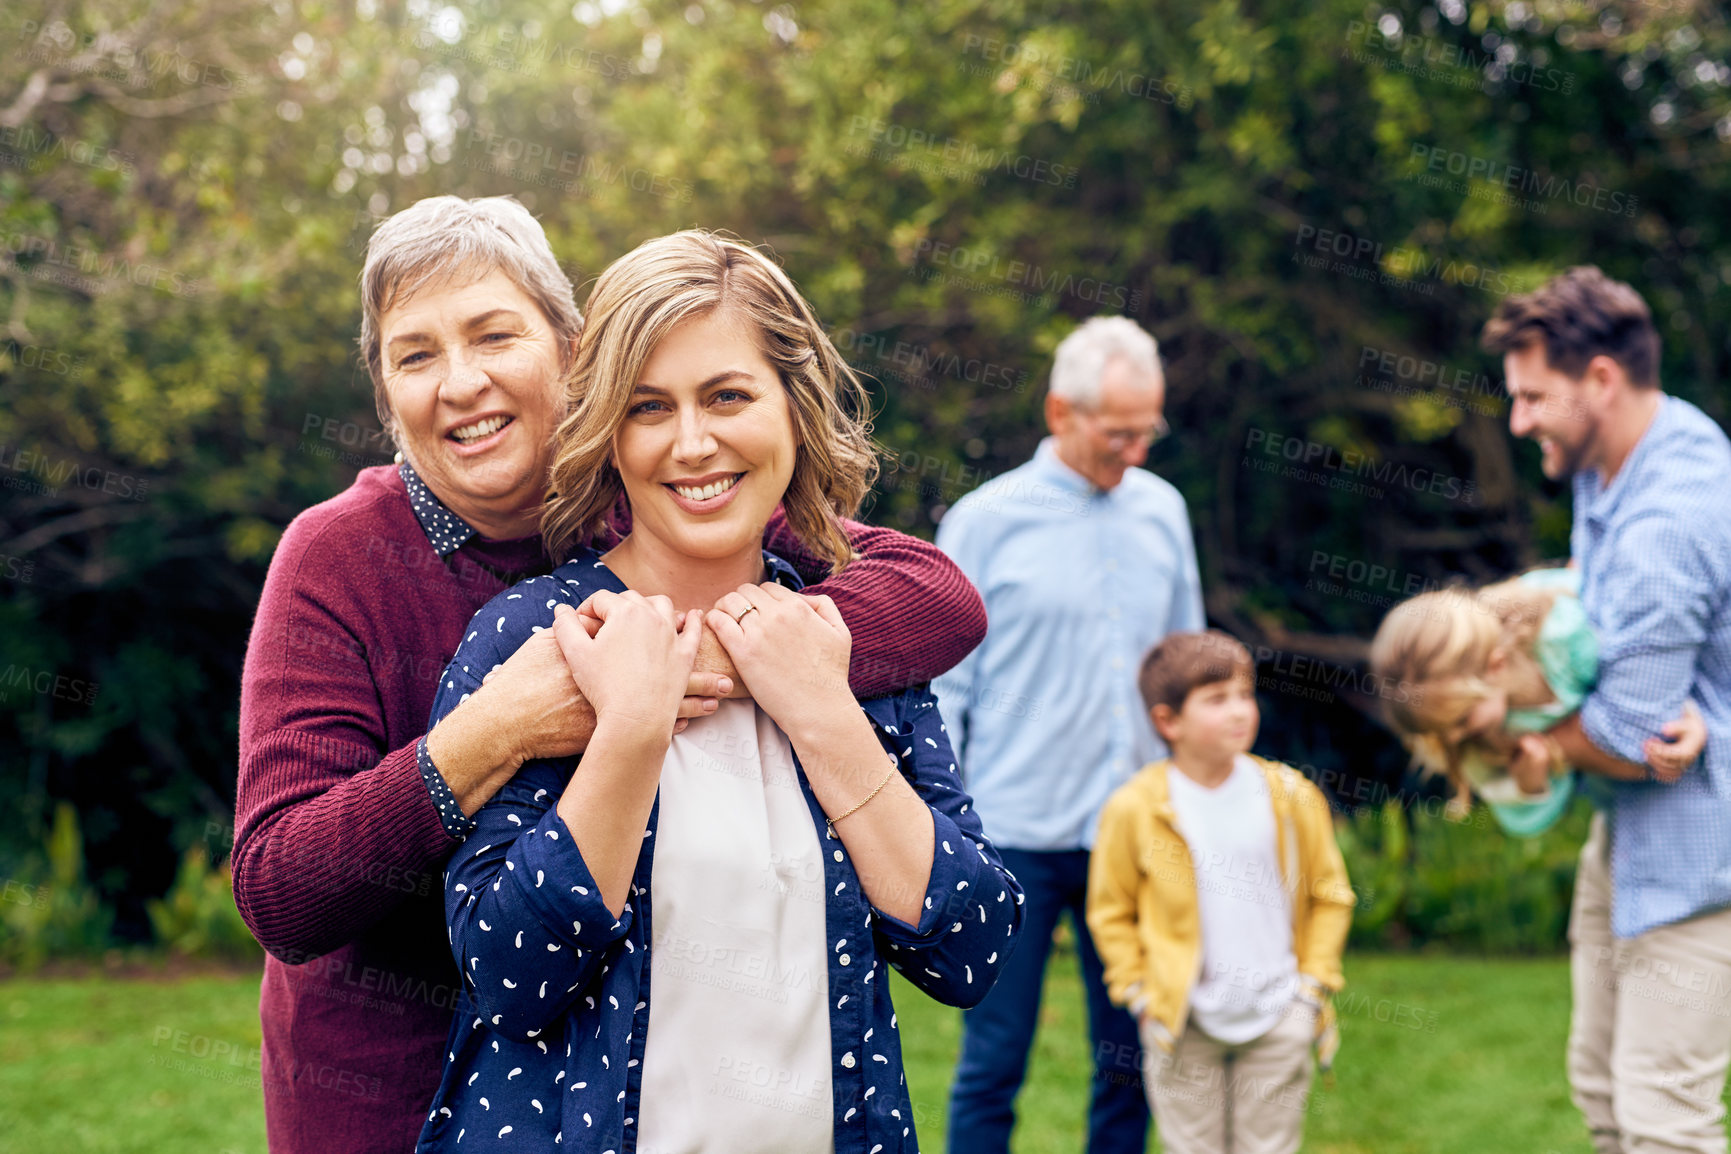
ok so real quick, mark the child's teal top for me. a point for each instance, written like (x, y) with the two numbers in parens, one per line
(1568, 655)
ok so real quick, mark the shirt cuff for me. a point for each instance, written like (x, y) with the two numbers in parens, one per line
(556, 885)
(450, 813)
(948, 893)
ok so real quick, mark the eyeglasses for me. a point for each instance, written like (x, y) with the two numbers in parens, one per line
(1121, 439)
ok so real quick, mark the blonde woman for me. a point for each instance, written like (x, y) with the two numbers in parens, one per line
(346, 809)
(680, 942)
(1483, 674)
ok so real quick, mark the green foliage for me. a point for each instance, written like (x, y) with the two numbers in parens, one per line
(49, 911)
(197, 918)
(1462, 883)
(954, 184)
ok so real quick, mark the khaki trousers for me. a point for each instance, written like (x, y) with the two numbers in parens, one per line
(1209, 1097)
(1650, 1032)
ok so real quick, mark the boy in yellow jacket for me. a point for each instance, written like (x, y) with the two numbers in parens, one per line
(1220, 904)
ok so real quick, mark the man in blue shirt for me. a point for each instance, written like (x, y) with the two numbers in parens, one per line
(1650, 930)
(1085, 561)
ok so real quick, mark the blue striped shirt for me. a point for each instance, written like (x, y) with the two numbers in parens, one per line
(1079, 583)
(1654, 549)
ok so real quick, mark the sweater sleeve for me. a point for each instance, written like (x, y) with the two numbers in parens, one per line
(973, 905)
(910, 610)
(333, 830)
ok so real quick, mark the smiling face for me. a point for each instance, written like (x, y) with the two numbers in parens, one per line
(1552, 408)
(472, 375)
(1105, 442)
(707, 447)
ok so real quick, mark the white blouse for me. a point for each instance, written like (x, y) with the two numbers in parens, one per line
(737, 1055)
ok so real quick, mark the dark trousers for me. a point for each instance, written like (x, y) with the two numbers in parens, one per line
(997, 1034)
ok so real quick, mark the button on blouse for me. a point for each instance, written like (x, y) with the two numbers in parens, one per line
(549, 1040)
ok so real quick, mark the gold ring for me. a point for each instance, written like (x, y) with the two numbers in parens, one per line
(743, 612)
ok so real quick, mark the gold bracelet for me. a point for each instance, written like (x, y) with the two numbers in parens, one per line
(1559, 759)
(830, 821)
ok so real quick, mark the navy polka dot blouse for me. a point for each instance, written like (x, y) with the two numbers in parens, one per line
(547, 1046)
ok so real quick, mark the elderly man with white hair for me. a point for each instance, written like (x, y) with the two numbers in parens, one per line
(1085, 561)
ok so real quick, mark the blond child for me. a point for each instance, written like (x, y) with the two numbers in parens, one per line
(1219, 903)
(1479, 675)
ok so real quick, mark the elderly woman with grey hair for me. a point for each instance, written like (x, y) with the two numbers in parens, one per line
(346, 808)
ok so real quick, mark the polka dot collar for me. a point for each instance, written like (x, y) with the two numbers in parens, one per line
(444, 529)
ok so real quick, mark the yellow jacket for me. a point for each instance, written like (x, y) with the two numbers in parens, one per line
(1142, 908)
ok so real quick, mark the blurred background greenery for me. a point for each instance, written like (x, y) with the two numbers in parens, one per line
(1314, 204)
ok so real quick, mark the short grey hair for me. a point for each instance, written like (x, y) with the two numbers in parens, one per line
(444, 238)
(1082, 357)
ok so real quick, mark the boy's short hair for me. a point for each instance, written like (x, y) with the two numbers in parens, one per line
(1184, 662)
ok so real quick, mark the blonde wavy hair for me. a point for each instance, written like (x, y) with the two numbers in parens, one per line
(641, 298)
(1437, 647)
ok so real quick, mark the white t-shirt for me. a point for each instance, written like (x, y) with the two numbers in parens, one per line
(737, 1055)
(1249, 973)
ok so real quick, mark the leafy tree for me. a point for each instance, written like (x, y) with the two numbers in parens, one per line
(1314, 206)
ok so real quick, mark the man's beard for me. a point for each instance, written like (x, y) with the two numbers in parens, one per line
(1570, 459)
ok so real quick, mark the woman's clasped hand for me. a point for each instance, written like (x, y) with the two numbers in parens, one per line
(634, 671)
(635, 667)
(791, 652)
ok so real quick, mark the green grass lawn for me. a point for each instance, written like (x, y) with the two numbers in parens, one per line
(1439, 1055)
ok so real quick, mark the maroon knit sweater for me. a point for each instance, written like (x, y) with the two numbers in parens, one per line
(339, 850)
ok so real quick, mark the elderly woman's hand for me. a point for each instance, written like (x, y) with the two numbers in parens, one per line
(527, 707)
(702, 693)
(548, 713)
(791, 651)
